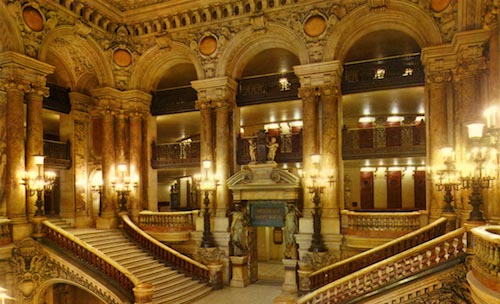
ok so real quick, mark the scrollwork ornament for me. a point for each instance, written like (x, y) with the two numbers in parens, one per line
(438, 77)
(202, 104)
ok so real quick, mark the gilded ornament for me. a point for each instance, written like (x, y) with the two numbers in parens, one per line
(208, 45)
(315, 26)
(33, 18)
(122, 57)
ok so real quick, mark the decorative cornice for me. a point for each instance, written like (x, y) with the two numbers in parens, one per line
(215, 92)
(117, 102)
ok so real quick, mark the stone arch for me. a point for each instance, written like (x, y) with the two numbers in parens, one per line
(105, 296)
(244, 46)
(156, 61)
(83, 58)
(12, 41)
(401, 16)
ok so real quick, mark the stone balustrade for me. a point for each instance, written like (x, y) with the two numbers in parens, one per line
(486, 262)
(5, 234)
(168, 221)
(392, 269)
(387, 224)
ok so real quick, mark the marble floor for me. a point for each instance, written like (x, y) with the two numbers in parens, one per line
(268, 287)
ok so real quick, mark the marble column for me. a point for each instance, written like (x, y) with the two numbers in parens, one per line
(320, 90)
(3, 153)
(19, 75)
(331, 159)
(469, 103)
(34, 139)
(80, 141)
(135, 143)
(108, 197)
(120, 142)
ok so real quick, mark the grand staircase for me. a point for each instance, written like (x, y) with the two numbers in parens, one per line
(170, 286)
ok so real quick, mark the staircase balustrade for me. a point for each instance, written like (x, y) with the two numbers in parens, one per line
(168, 221)
(348, 266)
(486, 262)
(175, 154)
(166, 254)
(392, 269)
(5, 234)
(92, 257)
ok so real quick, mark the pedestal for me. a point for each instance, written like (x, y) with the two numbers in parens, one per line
(143, 293)
(451, 220)
(240, 271)
(215, 271)
(290, 284)
(37, 226)
(304, 281)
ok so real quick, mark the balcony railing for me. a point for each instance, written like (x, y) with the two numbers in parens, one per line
(175, 154)
(382, 224)
(58, 154)
(399, 141)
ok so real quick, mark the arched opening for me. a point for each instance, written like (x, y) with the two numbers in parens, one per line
(383, 109)
(62, 293)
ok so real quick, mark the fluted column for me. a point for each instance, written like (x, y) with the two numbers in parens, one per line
(80, 116)
(19, 74)
(34, 138)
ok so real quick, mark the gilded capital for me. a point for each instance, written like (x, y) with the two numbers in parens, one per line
(307, 93)
(438, 77)
(202, 104)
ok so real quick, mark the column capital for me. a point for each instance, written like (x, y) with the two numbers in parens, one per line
(215, 92)
(115, 102)
(318, 74)
(20, 72)
(80, 102)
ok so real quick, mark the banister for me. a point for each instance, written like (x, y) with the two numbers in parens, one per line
(183, 258)
(50, 231)
(327, 274)
(439, 241)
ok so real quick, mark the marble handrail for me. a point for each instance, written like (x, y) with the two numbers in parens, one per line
(402, 265)
(91, 256)
(345, 267)
(164, 253)
(383, 221)
(486, 262)
(168, 221)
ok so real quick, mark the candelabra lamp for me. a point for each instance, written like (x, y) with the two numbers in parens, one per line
(39, 183)
(448, 179)
(4, 296)
(477, 176)
(96, 187)
(123, 185)
(317, 183)
(206, 184)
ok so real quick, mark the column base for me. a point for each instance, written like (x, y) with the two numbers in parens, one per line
(290, 283)
(240, 271)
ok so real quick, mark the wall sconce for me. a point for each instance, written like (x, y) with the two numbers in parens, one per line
(39, 183)
(123, 185)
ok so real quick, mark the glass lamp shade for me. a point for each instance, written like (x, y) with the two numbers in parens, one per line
(475, 130)
(39, 159)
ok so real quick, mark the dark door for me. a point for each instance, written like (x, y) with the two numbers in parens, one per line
(394, 189)
(419, 186)
(366, 190)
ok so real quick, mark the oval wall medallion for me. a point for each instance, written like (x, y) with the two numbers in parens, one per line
(439, 5)
(122, 57)
(208, 45)
(315, 26)
(33, 18)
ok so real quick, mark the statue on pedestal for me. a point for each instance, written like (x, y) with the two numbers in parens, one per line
(291, 228)
(238, 231)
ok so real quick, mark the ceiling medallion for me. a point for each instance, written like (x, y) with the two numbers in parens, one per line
(315, 25)
(33, 18)
(439, 5)
(122, 57)
(208, 45)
